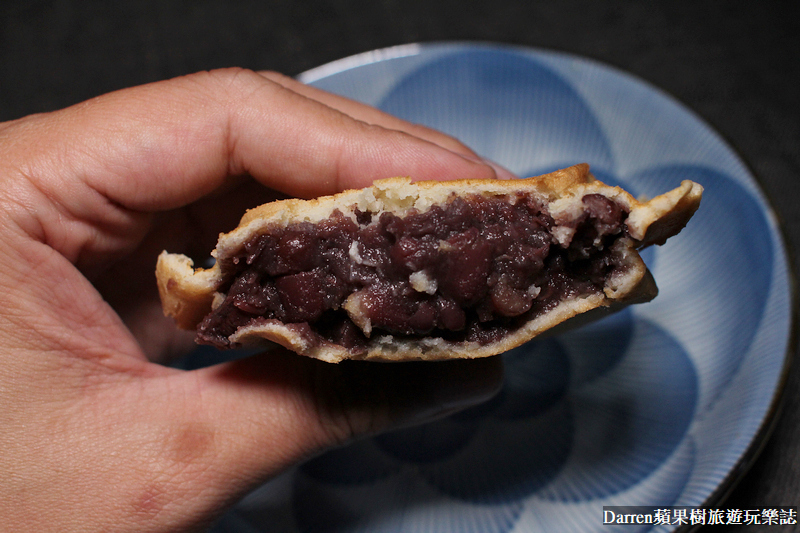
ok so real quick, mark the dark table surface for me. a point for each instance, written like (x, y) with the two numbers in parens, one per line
(735, 63)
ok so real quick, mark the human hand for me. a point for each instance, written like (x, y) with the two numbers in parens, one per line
(95, 434)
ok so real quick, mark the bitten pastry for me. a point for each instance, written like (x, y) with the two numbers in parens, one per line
(431, 270)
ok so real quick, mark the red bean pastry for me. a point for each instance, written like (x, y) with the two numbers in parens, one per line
(432, 270)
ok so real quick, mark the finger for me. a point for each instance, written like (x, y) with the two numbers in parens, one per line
(167, 144)
(369, 114)
(372, 115)
(269, 412)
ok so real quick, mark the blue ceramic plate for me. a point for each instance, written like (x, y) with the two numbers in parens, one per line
(662, 404)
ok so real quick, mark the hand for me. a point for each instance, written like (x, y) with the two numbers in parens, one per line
(95, 434)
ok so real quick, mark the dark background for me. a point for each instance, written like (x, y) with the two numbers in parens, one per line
(735, 63)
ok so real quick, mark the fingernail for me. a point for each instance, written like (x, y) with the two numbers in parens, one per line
(502, 172)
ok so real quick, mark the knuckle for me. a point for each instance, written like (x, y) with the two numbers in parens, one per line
(230, 84)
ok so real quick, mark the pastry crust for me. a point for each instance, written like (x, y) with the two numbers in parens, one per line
(189, 294)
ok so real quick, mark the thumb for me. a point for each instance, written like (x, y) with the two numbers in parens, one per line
(265, 413)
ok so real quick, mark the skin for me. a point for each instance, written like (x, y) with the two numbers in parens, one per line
(95, 433)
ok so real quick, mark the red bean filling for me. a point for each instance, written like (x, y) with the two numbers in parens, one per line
(470, 270)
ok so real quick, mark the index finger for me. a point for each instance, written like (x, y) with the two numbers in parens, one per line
(372, 115)
(166, 144)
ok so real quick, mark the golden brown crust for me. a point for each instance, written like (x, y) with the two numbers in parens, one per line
(189, 294)
(186, 293)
